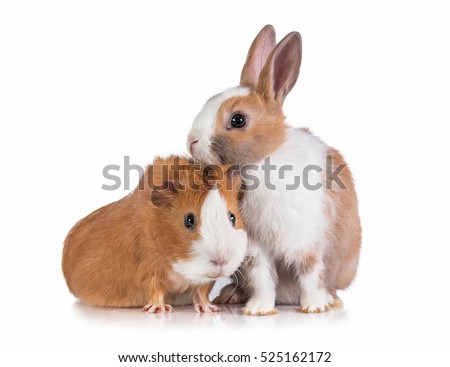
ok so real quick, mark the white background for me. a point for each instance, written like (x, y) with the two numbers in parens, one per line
(82, 84)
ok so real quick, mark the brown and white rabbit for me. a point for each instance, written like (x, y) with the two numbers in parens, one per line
(304, 242)
(163, 244)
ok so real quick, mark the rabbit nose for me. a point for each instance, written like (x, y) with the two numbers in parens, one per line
(220, 262)
(191, 146)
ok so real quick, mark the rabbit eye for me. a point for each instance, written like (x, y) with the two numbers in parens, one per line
(232, 219)
(189, 221)
(238, 120)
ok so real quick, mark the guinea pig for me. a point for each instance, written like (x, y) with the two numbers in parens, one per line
(302, 219)
(164, 244)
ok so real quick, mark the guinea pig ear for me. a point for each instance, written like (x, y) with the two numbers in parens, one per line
(233, 174)
(163, 196)
(228, 176)
(257, 56)
(211, 173)
(280, 73)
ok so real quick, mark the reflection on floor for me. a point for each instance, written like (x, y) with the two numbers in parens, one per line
(186, 316)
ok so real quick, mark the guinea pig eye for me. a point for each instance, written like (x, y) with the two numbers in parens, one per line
(232, 218)
(238, 120)
(189, 221)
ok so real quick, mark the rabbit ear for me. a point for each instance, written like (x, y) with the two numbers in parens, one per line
(257, 56)
(281, 70)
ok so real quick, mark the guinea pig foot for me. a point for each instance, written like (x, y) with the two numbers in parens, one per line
(206, 308)
(151, 308)
(229, 295)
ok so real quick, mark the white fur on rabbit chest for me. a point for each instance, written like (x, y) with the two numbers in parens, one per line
(283, 222)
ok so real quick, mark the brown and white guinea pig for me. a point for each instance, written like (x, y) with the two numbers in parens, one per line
(304, 236)
(163, 244)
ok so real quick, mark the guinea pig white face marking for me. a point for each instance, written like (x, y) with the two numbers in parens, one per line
(204, 125)
(220, 249)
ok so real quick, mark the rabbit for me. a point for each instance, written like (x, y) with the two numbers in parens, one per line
(164, 244)
(304, 242)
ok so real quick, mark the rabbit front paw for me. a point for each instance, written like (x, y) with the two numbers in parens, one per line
(260, 307)
(318, 301)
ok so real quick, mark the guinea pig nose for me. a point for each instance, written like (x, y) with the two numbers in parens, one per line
(220, 262)
(191, 146)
